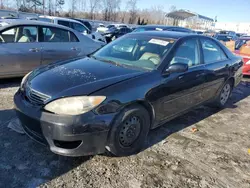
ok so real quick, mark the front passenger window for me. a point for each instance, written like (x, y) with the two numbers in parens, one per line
(24, 34)
(187, 53)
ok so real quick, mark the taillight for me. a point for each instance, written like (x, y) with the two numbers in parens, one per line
(246, 60)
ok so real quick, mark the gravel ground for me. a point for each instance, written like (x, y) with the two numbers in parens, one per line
(214, 156)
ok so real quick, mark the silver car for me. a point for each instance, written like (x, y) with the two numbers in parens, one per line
(25, 45)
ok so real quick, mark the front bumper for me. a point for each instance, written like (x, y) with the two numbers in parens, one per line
(80, 135)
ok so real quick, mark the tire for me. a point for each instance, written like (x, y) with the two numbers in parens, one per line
(129, 131)
(225, 93)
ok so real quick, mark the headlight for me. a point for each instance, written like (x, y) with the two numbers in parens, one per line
(24, 80)
(74, 105)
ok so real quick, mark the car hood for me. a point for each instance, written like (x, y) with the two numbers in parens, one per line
(78, 77)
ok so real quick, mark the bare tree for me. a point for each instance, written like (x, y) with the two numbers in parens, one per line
(58, 6)
(35, 4)
(73, 6)
(93, 5)
(132, 7)
(111, 9)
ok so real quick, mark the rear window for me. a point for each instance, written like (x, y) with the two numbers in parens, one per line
(146, 29)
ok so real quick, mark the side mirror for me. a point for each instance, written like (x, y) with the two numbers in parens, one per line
(176, 68)
(85, 32)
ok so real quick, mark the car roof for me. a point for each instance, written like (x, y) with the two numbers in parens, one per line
(224, 35)
(163, 34)
(60, 18)
(31, 22)
(161, 26)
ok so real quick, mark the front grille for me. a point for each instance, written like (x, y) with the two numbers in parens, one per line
(36, 97)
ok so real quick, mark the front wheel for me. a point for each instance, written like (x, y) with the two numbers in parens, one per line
(129, 131)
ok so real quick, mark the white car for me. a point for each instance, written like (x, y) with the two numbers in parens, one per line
(74, 24)
(103, 29)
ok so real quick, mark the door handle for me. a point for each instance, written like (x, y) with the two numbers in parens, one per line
(180, 77)
(33, 50)
(199, 75)
(74, 48)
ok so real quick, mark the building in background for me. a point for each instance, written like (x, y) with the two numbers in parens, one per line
(186, 18)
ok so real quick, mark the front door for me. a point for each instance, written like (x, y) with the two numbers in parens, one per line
(181, 91)
(20, 51)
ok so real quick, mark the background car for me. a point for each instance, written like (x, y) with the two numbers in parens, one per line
(224, 37)
(242, 48)
(114, 33)
(134, 84)
(25, 45)
(85, 22)
(73, 24)
(229, 33)
(102, 29)
(162, 28)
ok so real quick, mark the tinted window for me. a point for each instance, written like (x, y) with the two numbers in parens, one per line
(19, 34)
(123, 30)
(52, 34)
(78, 27)
(144, 52)
(65, 23)
(73, 38)
(211, 51)
(188, 53)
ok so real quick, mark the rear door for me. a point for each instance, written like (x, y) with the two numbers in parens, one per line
(20, 51)
(58, 44)
(216, 67)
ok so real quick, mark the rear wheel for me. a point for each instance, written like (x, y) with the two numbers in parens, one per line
(129, 131)
(224, 95)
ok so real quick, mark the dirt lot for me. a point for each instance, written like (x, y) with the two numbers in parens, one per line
(214, 156)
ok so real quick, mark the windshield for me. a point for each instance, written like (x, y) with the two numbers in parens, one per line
(138, 51)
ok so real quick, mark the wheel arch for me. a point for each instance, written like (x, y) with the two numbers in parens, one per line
(147, 106)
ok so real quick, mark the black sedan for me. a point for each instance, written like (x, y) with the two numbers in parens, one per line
(111, 99)
(114, 33)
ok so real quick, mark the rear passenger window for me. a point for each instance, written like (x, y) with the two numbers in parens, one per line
(73, 38)
(52, 34)
(211, 51)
